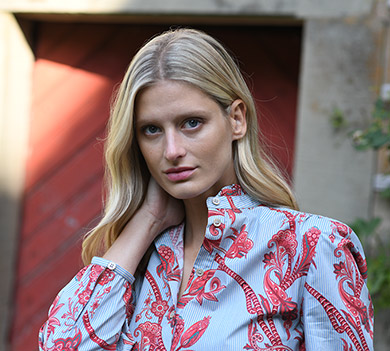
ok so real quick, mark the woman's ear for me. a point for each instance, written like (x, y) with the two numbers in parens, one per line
(238, 119)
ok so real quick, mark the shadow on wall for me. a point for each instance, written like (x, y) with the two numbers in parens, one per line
(9, 214)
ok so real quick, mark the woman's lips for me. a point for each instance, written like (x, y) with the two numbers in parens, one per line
(179, 174)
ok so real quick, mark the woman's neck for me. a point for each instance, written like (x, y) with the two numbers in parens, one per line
(196, 221)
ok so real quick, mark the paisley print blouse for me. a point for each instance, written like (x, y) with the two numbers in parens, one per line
(265, 279)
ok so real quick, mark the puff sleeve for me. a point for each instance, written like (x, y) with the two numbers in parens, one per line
(337, 309)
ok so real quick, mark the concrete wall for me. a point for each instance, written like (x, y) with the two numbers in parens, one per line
(295, 8)
(331, 177)
(16, 62)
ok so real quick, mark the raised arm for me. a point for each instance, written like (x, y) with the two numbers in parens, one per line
(94, 310)
(158, 212)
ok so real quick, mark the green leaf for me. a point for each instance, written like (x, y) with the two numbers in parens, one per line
(365, 227)
(381, 110)
(377, 284)
(385, 194)
(380, 139)
(337, 119)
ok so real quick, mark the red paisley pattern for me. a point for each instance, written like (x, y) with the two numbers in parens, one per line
(198, 291)
(256, 274)
(241, 244)
(68, 344)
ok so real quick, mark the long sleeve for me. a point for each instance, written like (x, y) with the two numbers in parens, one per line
(264, 279)
(337, 309)
(92, 312)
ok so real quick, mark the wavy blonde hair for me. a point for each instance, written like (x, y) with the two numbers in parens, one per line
(194, 57)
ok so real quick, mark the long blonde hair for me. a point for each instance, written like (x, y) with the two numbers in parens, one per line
(194, 57)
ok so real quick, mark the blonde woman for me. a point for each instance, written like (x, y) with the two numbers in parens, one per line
(201, 246)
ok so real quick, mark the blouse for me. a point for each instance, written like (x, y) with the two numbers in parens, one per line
(265, 278)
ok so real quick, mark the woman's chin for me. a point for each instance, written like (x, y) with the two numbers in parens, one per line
(183, 190)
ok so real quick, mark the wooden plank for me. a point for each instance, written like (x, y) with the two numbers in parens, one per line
(69, 179)
(72, 220)
(85, 42)
(67, 135)
(87, 84)
(26, 338)
(34, 296)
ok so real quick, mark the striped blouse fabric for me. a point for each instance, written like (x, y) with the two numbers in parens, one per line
(264, 279)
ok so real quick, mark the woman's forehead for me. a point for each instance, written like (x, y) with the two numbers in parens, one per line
(172, 97)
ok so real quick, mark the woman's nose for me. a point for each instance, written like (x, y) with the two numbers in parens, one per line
(174, 147)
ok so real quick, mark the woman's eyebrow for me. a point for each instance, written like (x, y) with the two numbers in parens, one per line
(190, 113)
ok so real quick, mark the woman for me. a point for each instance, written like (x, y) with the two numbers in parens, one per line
(201, 246)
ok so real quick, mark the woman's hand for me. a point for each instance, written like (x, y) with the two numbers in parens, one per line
(158, 212)
(167, 210)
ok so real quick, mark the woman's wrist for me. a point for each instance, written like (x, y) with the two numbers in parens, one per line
(133, 242)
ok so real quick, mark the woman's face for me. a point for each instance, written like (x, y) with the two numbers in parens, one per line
(186, 138)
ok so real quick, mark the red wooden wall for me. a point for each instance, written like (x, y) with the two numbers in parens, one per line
(77, 67)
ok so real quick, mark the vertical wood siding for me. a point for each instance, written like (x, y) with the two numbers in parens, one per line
(77, 67)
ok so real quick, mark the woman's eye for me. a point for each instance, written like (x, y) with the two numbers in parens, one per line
(191, 123)
(150, 130)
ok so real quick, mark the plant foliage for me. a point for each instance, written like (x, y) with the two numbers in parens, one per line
(378, 260)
